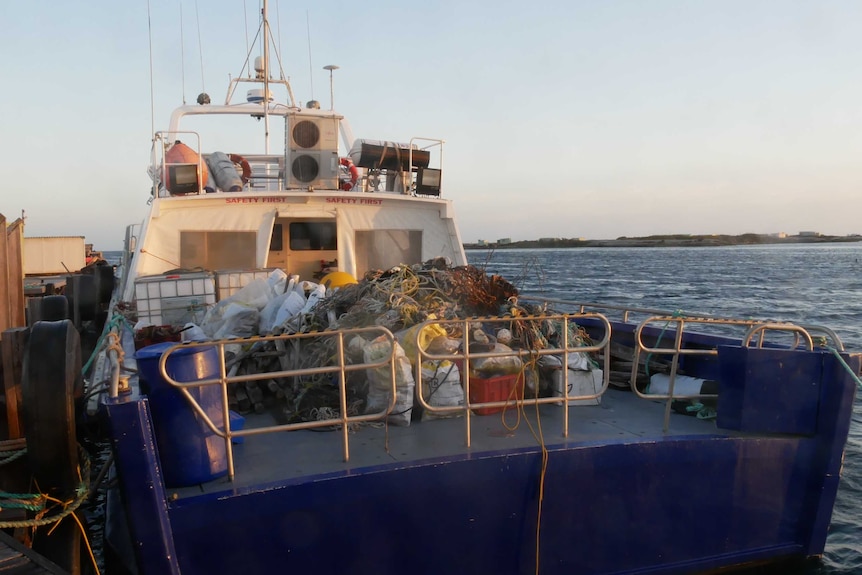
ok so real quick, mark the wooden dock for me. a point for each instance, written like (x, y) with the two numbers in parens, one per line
(15, 559)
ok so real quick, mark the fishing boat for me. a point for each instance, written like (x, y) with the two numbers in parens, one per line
(598, 439)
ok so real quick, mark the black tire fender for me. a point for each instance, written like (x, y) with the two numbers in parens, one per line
(51, 375)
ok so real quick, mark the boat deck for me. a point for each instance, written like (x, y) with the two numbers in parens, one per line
(281, 457)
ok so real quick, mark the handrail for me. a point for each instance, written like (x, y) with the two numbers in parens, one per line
(158, 171)
(584, 306)
(828, 333)
(761, 329)
(466, 356)
(755, 327)
(342, 368)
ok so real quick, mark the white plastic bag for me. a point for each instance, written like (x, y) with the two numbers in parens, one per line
(289, 308)
(277, 281)
(238, 320)
(380, 382)
(193, 332)
(268, 313)
(255, 294)
(316, 294)
(581, 382)
(487, 367)
(441, 387)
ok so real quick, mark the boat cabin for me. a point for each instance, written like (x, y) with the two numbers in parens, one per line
(324, 202)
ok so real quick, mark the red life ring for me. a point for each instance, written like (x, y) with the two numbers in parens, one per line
(243, 163)
(348, 185)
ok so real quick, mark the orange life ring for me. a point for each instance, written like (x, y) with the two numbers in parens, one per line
(348, 185)
(243, 163)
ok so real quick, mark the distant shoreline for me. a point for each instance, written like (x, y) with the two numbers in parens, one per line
(669, 241)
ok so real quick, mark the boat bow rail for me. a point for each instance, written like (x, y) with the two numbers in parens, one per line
(655, 333)
(678, 346)
(755, 330)
(341, 366)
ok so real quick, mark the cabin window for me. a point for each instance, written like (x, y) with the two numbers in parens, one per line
(383, 249)
(276, 244)
(312, 236)
(218, 250)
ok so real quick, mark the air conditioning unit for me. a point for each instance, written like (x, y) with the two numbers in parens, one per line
(313, 152)
(316, 169)
(312, 132)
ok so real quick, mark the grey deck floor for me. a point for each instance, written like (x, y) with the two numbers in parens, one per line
(283, 456)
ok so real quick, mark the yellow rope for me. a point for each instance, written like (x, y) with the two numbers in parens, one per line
(540, 439)
(68, 507)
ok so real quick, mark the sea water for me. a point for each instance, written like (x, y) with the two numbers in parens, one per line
(807, 284)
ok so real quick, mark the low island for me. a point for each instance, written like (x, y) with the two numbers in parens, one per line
(671, 240)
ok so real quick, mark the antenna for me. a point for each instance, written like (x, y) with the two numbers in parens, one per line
(182, 54)
(245, 15)
(331, 68)
(152, 93)
(200, 48)
(310, 71)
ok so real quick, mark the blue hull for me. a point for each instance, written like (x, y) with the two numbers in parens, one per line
(656, 503)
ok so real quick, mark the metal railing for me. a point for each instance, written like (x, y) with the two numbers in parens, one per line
(756, 329)
(465, 356)
(626, 312)
(159, 164)
(528, 358)
(341, 367)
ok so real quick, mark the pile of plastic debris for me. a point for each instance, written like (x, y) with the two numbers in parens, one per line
(400, 300)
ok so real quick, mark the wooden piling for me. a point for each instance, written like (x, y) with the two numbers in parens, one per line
(13, 343)
(5, 301)
(15, 256)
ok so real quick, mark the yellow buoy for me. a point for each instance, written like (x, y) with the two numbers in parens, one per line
(337, 279)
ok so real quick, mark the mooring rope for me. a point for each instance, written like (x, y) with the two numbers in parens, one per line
(12, 457)
(66, 507)
(845, 366)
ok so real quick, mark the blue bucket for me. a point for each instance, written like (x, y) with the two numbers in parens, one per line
(189, 451)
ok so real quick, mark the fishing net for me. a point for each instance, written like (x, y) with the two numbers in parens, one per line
(396, 299)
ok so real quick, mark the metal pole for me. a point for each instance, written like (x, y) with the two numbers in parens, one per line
(265, 78)
(331, 67)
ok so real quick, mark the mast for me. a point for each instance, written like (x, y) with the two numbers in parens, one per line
(265, 77)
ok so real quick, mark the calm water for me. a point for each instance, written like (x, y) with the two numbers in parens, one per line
(808, 284)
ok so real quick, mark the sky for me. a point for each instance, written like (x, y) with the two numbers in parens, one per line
(562, 118)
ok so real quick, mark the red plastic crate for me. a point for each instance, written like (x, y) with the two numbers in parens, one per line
(500, 388)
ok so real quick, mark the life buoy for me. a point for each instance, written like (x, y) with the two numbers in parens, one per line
(348, 185)
(243, 163)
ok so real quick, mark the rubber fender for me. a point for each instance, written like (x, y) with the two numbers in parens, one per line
(53, 308)
(81, 291)
(50, 375)
(104, 283)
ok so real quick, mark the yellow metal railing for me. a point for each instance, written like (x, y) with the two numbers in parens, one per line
(528, 358)
(676, 350)
(340, 368)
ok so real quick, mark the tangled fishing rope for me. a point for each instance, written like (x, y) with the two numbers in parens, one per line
(66, 508)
